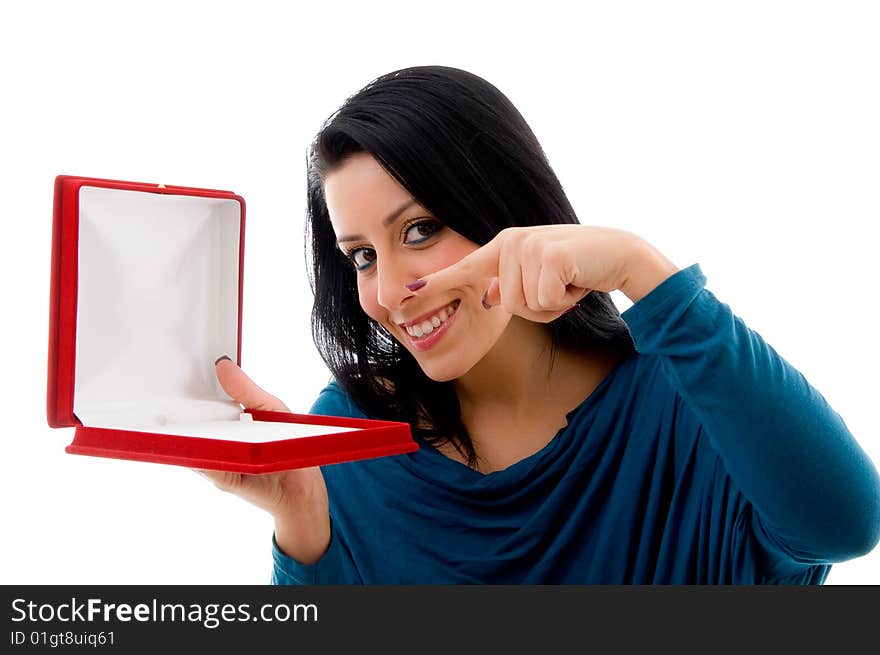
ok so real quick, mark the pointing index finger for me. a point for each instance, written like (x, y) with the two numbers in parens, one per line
(482, 263)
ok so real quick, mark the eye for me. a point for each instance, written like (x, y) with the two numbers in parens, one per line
(361, 258)
(421, 231)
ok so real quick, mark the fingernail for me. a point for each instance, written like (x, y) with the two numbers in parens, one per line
(415, 286)
(483, 300)
(220, 359)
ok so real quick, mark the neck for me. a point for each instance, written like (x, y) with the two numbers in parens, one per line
(515, 399)
(515, 373)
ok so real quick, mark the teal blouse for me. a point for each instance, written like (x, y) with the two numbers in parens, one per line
(703, 458)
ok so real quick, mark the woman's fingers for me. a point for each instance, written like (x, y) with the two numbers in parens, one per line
(481, 264)
(554, 293)
(492, 296)
(243, 390)
(510, 281)
(223, 479)
(531, 276)
(529, 272)
(264, 491)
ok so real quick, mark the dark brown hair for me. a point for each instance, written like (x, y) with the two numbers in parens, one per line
(459, 146)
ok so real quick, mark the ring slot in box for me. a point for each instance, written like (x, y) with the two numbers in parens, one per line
(146, 292)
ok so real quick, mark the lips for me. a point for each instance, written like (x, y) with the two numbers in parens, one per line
(427, 317)
(435, 326)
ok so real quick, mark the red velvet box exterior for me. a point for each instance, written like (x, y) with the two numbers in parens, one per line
(370, 438)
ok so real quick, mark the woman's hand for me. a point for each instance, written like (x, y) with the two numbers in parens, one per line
(297, 499)
(542, 271)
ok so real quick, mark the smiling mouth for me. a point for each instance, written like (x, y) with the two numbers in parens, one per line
(425, 327)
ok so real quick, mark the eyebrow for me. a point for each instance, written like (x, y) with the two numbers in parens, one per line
(393, 216)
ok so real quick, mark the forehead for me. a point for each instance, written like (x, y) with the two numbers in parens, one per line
(360, 193)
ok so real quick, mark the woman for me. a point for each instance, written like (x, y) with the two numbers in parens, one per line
(561, 442)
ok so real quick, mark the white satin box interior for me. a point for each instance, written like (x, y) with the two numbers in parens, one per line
(146, 293)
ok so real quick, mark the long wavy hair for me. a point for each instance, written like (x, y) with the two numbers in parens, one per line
(461, 148)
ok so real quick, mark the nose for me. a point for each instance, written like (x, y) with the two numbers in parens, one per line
(393, 274)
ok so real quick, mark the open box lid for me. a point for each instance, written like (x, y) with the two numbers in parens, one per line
(146, 292)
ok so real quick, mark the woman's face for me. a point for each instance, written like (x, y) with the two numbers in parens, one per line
(392, 241)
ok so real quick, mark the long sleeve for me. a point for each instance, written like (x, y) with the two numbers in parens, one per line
(336, 565)
(815, 492)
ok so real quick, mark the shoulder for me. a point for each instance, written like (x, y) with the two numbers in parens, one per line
(333, 401)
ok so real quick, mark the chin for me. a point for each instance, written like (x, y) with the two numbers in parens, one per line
(442, 376)
(443, 371)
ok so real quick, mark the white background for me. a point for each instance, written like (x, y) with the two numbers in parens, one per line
(739, 135)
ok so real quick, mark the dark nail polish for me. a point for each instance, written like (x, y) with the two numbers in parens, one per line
(221, 358)
(415, 286)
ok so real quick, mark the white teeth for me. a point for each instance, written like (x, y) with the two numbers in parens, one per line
(426, 327)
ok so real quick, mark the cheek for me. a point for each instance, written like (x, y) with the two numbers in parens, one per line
(435, 261)
(427, 262)
(456, 250)
(451, 249)
(369, 299)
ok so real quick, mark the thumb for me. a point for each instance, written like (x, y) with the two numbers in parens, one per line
(492, 296)
(243, 390)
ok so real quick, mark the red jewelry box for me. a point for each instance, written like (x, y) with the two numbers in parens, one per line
(146, 293)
